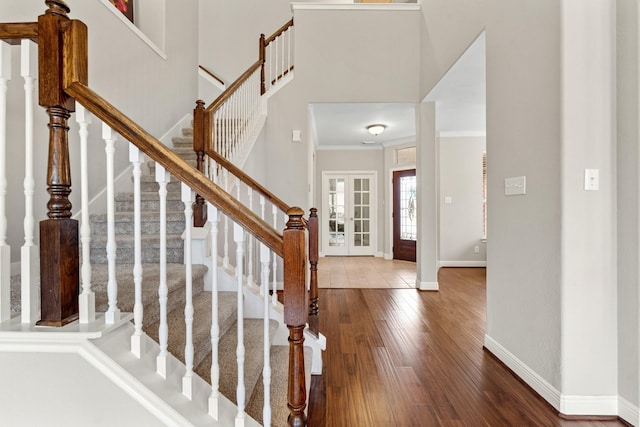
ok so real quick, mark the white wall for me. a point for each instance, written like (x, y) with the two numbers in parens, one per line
(36, 390)
(460, 166)
(523, 83)
(628, 179)
(339, 66)
(154, 90)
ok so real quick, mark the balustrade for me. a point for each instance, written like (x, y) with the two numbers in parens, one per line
(223, 129)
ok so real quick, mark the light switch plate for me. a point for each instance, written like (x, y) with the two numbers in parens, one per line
(448, 200)
(592, 179)
(515, 186)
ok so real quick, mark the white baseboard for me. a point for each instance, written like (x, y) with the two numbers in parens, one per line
(462, 263)
(379, 255)
(628, 411)
(427, 286)
(535, 381)
(589, 405)
(388, 257)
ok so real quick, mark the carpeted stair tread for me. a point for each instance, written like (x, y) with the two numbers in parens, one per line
(201, 324)
(150, 283)
(253, 362)
(150, 222)
(183, 143)
(125, 250)
(187, 131)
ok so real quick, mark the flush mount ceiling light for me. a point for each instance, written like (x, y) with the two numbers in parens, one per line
(376, 129)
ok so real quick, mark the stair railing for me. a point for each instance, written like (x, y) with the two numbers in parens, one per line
(63, 71)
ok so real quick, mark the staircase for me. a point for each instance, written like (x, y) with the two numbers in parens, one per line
(108, 304)
(227, 301)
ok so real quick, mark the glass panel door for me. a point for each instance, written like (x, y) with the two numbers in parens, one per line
(349, 208)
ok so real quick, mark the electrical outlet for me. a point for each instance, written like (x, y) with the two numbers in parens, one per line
(476, 249)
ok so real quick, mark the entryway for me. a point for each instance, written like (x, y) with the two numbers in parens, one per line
(405, 219)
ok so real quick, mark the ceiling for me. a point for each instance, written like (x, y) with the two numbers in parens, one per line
(460, 110)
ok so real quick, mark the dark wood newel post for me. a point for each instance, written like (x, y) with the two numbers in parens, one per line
(312, 226)
(62, 59)
(262, 56)
(199, 207)
(295, 312)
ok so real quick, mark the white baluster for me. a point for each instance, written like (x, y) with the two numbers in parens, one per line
(30, 254)
(238, 237)
(289, 34)
(5, 249)
(87, 300)
(270, 56)
(266, 370)
(262, 210)
(215, 327)
(187, 380)
(250, 242)
(239, 265)
(113, 312)
(274, 296)
(225, 259)
(276, 43)
(283, 55)
(136, 339)
(162, 178)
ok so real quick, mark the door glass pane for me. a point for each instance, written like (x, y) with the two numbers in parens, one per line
(361, 200)
(336, 211)
(408, 214)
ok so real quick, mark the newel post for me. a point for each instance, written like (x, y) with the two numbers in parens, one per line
(262, 53)
(199, 207)
(312, 226)
(295, 311)
(62, 59)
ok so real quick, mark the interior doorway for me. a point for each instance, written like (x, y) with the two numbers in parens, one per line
(349, 208)
(405, 220)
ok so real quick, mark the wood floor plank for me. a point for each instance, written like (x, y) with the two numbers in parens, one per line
(401, 357)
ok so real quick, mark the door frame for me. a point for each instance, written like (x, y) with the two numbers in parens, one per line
(373, 211)
(390, 204)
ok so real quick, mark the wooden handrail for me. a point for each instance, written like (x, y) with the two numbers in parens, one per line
(232, 88)
(13, 33)
(255, 185)
(210, 73)
(279, 31)
(178, 167)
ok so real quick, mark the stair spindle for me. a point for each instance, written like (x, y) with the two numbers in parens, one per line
(162, 178)
(265, 258)
(312, 227)
(225, 259)
(274, 295)
(214, 403)
(29, 255)
(112, 314)
(250, 242)
(137, 338)
(87, 301)
(238, 237)
(187, 380)
(5, 249)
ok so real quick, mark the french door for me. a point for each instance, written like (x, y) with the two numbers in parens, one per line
(349, 213)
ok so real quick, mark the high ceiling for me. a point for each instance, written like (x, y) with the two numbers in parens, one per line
(460, 109)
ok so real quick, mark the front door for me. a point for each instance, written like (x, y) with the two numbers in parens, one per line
(349, 214)
(405, 219)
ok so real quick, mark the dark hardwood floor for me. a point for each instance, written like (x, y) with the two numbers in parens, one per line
(399, 357)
